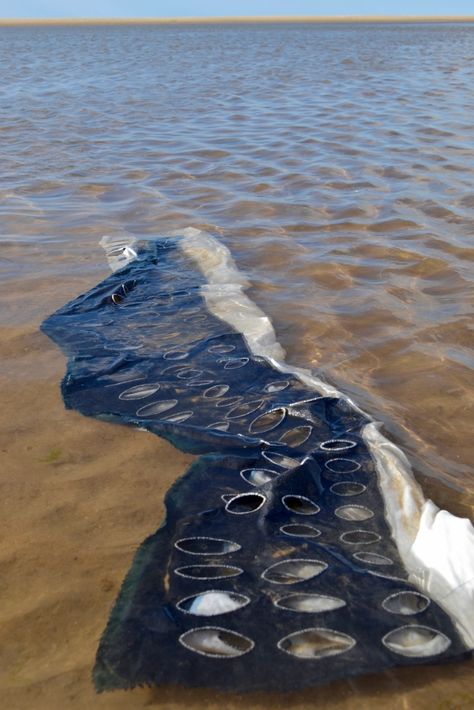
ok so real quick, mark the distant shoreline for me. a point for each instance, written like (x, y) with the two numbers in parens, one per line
(6, 22)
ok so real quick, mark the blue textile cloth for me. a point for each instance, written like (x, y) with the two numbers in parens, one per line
(275, 568)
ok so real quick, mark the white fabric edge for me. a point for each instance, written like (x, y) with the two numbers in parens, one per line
(119, 250)
(425, 535)
(436, 547)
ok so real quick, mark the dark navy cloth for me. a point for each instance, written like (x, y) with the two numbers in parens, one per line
(275, 568)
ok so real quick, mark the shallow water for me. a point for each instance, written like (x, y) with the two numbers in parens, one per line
(336, 162)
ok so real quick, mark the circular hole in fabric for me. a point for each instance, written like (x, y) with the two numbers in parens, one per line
(297, 436)
(267, 421)
(219, 426)
(258, 476)
(206, 546)
(245, 503)
(293, 571)
(348, 488)
(216, 391)
(221, 349)
(277, 386)
(176, 355)
(244, 409)
(337, 445)
(360, 537)
(235, 363)
(208, 571)
(372, 558)
(406, 603)
(309, 603)
(212, 602)
(280, 460)
(121, 378)
(354, 512)
(300, 530)
(300, 505)
(179, 417)
(188, 374)
(316, 643)
(198, 383)
(139, 391)
(174, 369)
(342, 465)
(416, 641)
(154, 409)
(216, 642)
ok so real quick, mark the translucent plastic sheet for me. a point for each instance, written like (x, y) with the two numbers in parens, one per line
(276, 567)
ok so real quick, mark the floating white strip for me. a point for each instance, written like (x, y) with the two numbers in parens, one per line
(225, 298)
(119, 250)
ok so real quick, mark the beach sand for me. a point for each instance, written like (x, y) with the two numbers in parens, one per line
(229, 20)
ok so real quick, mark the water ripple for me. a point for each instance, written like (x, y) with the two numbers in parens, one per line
(335, 161)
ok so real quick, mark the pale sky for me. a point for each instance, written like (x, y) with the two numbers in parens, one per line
(203, 8)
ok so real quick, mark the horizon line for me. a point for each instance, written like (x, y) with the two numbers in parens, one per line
(322, 19)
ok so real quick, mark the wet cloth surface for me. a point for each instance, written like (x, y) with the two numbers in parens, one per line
(275, 568)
